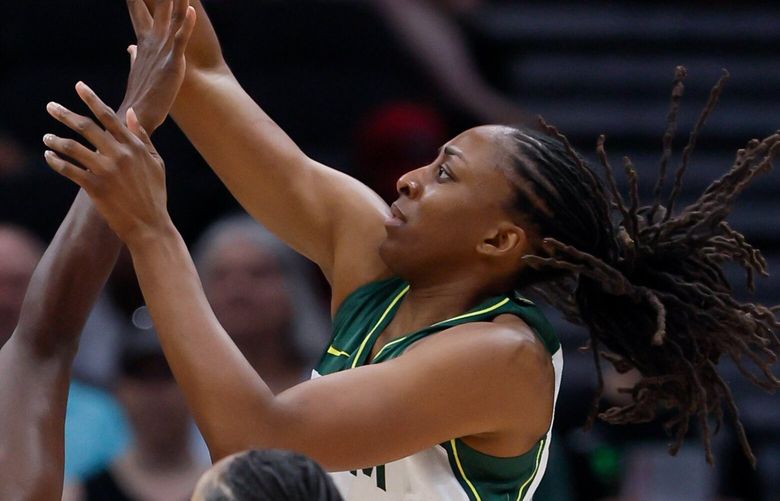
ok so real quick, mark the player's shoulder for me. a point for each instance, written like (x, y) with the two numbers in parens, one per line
(506, 339)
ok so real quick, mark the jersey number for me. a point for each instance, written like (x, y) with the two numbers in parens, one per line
(380, 475)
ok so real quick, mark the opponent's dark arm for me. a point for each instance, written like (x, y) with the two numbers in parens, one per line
(66, 282)
(84, 250)
(35, 362)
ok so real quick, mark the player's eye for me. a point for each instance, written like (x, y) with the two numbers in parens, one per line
(442, 173)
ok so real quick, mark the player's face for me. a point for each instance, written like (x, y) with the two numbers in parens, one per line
(445, 209)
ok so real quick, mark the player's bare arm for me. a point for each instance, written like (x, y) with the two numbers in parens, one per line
(327, 216)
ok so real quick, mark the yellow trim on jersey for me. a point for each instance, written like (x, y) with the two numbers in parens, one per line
(465, 315)
(391, 343)
(336, 352)
(475, 313)
(536, 469)
(463, 473)
(368, 336)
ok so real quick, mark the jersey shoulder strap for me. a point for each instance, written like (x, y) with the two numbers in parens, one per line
(484, 312)
(362, 314)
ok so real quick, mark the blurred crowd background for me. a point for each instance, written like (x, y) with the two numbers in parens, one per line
(374, 87)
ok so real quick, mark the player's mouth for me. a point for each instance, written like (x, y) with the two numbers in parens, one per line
(396, 217)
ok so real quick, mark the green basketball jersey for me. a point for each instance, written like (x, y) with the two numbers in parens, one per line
(452, 470)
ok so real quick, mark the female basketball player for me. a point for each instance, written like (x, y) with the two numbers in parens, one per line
(439, 382)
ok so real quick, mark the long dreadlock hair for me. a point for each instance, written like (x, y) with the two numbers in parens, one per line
(646, 281)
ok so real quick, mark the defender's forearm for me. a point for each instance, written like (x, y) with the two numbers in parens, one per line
(67, 280)
(35, 362)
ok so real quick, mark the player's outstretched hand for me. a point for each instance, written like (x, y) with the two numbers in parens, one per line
(124, 176)
(157, 62)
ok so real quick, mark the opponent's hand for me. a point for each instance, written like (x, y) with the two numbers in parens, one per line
(157, 62)
(124, 177)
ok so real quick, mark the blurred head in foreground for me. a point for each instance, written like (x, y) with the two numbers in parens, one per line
(269, 475)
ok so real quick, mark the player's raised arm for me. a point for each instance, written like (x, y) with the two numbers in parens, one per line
(326, 215)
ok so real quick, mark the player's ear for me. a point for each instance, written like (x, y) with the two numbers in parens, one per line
(504, 240)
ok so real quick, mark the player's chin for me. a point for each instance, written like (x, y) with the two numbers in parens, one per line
(396, 229)
(392, 250)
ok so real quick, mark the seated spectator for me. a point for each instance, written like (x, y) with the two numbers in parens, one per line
(394, 139)
(13, 156)
(161, 462)
(429, 32)
(19, 253)
(263, 296)
(96, 431)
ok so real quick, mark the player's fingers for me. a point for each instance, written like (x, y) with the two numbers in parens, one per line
(75, 150)
(163, 10)
(134, 125)
(133, 51)
(139, 16)
(183, 35)
(102, 112)
(81, 125)
(178, 14)
(67, 169)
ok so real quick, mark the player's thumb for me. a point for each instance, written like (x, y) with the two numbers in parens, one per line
(133, 51)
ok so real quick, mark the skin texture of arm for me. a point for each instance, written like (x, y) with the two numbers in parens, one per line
(35, 362)
(427, 395)
(324, 214)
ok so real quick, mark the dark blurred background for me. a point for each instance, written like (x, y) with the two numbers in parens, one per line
(373, 87)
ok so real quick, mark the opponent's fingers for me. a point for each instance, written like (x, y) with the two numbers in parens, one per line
(139, 16)
(163, 10)
(74, 150)
(182, 36)
(67, 169)
(81, 125)
(103, 113)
